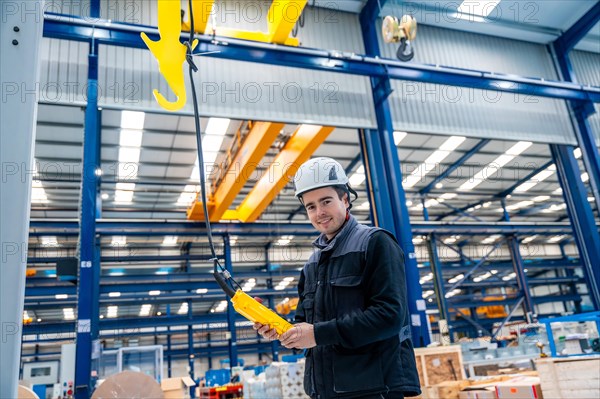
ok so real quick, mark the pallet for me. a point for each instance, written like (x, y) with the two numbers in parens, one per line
(570, 378)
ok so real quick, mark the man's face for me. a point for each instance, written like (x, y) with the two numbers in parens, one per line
(326, 211)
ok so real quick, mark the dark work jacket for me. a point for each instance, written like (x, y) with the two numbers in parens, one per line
(353, 290)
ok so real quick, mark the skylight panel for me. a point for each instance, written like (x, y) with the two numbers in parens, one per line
(398, 137)
(130, 138)
(433, 160)
(493, 167)
(132, 120)
(217, 126)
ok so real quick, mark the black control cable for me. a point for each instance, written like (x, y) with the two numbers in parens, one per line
(221, 275)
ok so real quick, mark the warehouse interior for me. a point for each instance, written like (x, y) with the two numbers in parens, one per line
(480, 154)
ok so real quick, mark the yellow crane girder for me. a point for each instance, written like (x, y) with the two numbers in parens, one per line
(281, 18)
(303, 143)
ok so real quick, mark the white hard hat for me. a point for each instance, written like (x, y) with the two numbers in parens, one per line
(319, 172)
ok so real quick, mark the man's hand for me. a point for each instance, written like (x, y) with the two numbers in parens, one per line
(301, 336)
(265, 331)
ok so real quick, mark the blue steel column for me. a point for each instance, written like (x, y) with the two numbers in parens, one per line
(573, 290)
(393, 177)
(580, 110)
(578, 209)
(99, 168)
(89, 266)
(191, 357)
(581, 216)
(275, 343)
(169, 344)
(190, 328)
(377, 189)
(438, 277)
(519, 268)
(209, 356)
(233, 356)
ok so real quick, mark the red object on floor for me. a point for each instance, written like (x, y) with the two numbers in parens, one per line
(224, 392)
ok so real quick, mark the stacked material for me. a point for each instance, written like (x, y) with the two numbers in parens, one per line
(254, 388)
(517, 386)
(571, 377)
(177, 388)
(439, 364)
(285, 380)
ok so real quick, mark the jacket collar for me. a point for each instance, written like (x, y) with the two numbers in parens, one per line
(324, 245)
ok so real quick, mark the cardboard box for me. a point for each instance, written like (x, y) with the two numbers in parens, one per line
(445, 390)
(177, 388)
(519, 392)
(520, 388)
(478, 393)
(486, 390)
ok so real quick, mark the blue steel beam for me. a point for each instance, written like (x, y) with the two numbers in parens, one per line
(580, 213)
(454, 166)
(119, 34)
(174, 277)
(130, 258)
(500, 195)
(477, 265)
(69, 289)
(89, 264)
(43, 297)
(509, 316)
(532, 282)
(110, 334)
(519, 270)
(162, 228)
(461, 212)
(502, 265)
(201, 351)
(469, 228)
(528, 177)
(570, 273)
(438, 275)
(569, 39)
(521, 277)
(124, 323)
(266, 229)
(465, 301)
(382, 141)
(472, 320)
(46, 297)
(535, 210)
(438, 278)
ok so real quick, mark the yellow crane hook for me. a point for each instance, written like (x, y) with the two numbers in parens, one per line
(170, 53)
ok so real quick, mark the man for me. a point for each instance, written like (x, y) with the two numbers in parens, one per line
(352, 316)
